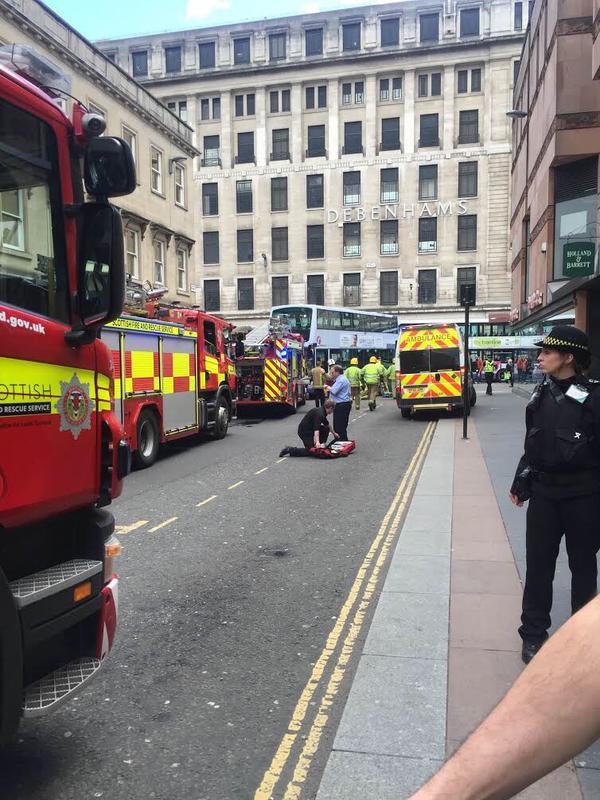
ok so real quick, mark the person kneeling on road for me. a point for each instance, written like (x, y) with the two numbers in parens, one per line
(313, 430)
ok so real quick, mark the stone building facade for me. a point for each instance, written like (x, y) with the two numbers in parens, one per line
(160, 232)
(357, 157)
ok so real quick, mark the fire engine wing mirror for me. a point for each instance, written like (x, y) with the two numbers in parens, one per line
(109, 169)
(101, 268)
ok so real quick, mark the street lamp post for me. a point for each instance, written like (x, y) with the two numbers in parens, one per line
(467, 299)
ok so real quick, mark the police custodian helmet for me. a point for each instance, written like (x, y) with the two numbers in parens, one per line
(568, 339)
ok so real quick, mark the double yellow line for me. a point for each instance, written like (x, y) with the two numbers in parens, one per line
(347, 623)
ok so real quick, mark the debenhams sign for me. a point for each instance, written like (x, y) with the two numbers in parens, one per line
(398, 211)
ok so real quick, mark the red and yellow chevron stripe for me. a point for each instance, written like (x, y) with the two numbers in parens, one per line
(276, 382)
(434, 338)
(424, 385)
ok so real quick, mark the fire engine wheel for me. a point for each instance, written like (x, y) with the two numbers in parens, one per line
(147, 440)
(221, 419)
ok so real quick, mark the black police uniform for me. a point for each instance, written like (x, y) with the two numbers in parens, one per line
(560, 474)
(313, 420)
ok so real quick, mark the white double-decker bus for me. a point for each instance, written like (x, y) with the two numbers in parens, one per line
(341, 333)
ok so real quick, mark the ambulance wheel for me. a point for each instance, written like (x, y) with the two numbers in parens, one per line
(147, 440)
(221, 419)
(405, 413)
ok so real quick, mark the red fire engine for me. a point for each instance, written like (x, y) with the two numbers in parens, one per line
(173, 377)
(272, 371)
(61, 454)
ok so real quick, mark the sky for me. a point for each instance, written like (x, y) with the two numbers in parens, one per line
(104, 19)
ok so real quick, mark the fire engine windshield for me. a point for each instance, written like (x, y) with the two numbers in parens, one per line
(33, 272)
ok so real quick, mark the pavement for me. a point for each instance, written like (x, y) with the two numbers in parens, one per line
(443, 647)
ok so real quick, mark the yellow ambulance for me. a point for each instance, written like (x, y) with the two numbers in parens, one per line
(430, 369)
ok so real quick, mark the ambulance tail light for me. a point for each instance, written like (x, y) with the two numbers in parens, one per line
(112, 549)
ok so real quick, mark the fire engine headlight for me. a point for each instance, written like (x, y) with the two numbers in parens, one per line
(112, 549)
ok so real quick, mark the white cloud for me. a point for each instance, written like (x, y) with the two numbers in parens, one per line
(201, 9)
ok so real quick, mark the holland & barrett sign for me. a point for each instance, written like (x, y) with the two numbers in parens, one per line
(578, 259)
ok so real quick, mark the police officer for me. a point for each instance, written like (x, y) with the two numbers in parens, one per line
(560, 476)
(489, 374)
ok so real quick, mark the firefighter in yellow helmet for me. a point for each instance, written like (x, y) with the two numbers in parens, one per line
(371, 374)
(354, 378)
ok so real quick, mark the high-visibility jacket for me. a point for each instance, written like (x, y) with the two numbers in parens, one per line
(391, 372)
(489, 366)
(371, 372)
(353, 375)
(382, 369)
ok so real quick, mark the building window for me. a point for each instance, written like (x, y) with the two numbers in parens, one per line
(180, 109)
(468, 127)
(210, 199)
(159, 262)
(281, 144)
(397, 88)
(465, 276)
(239, 105)
(428, 182)
(245, 148)
(280, 295)
(353, 137)
(389, 185)
(173, 59)
(207, 55)
(273, 102)
(518, 16)
(315, 290)
(322, 96)
(427, 289)
(212, 155)
(286, 96)
(245, 245)
(429, 130)
(179, 175)
(243, 198)
(277, 46)
(390, 133)
(250, 105)
(384, 89)
(388, 237)
(462, 83)
(390, 32)
(359, 92)
(131, 139)
(313, 42)
(423, 85)
(516, 68)
(436, 84)
(315, 241)
(469, 22)
(216, 107)
(467, 179)
(427, 234)
(429, 27)
(346, 94)
(156, 170)
(314, 191)
(212, 295)
(351, 239)
(575, 212)
(139, 64)
(316, 141)
(388, 288)
(245, 294)
(351, 36)
(351, 288)
(467, 232)
(132, 252)
(241, 50)
(279, 244)
(351, 190)
(476, 80)
(310, 97)
(210, 247)
(204, 108)
(182, 270)
(279, 194)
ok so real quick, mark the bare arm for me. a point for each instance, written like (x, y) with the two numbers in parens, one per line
(550, 714)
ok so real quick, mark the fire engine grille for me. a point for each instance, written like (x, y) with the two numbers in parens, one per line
(55, 687)
(32, 588)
